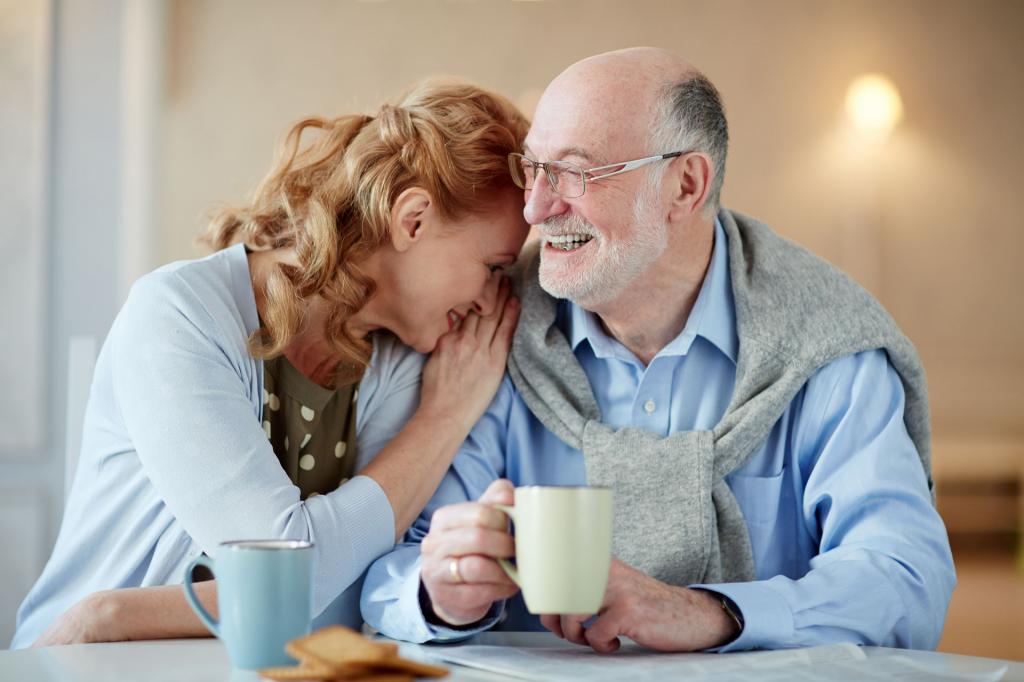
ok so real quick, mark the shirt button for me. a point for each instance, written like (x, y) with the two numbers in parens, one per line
(650, 407)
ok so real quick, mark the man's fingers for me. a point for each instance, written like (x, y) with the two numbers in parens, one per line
(464, 604)
(467, 515)
(476, 569)
(478, 594)
(603, 633)
(572, 628)
(457, 542)
(500, 491)
(553, 623)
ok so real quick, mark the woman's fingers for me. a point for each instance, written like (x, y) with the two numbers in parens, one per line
(507, 328)
(470, 323)
(502, 326)
(489, 323)
(490, 294)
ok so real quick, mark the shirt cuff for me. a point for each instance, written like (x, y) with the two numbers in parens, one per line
(767, 618)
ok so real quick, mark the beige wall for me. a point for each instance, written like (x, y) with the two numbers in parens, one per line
(928, 223)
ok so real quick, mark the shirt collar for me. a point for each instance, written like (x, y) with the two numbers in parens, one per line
(713, 316)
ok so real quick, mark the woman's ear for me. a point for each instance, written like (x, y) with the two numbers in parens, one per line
(410, 217)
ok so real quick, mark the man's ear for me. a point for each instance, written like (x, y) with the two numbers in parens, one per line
(692, 175)
(410, 217)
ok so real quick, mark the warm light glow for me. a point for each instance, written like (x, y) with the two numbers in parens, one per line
(873, 104)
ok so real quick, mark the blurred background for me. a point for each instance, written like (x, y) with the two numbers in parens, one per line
(122, 123)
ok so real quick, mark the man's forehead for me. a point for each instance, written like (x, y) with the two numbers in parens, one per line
(594, 145)
(591, 119)
(562, 144)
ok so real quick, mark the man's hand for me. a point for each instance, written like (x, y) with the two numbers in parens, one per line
(459, 570)
(651, 613)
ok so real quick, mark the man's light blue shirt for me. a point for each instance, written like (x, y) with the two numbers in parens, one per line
(847, 544)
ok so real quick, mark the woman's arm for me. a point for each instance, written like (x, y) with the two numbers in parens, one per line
(459, 382)
(133, 613)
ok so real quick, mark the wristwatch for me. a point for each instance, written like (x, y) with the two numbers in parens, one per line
(731, 610)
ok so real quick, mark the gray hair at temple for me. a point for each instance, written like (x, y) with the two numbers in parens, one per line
(691, 118)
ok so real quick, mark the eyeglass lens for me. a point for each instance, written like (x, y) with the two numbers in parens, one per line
(565, 178)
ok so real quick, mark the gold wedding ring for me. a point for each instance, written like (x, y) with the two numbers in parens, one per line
(453, 571)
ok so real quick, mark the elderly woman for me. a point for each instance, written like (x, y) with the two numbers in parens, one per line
(274, 390)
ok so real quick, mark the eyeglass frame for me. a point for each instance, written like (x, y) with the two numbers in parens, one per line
(626, 166)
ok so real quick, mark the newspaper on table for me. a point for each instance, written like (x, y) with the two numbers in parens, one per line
(519, 656)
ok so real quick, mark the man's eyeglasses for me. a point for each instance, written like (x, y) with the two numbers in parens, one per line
(569, 180)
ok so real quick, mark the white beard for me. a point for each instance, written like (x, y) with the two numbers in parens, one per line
(611, 266)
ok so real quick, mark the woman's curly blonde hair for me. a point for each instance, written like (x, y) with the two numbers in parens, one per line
(331, 199)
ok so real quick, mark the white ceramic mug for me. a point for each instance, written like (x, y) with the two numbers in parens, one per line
(563, 547)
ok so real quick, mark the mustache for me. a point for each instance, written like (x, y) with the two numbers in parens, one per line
(571, 224)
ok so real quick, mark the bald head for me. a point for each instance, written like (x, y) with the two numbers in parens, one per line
(616, 90)
(635, 73)
(628, 104)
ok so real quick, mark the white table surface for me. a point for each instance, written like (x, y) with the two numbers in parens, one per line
(205, 660)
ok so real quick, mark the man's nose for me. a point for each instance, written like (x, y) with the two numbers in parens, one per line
(542, 202)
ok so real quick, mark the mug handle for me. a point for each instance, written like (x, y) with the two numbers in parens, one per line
(190, 595)
(510, 570)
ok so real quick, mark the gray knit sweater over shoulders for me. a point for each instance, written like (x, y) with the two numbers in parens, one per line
(675, 516)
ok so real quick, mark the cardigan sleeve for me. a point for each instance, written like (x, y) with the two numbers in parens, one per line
(181, 389)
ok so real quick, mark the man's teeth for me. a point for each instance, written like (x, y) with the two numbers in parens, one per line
(568, 242)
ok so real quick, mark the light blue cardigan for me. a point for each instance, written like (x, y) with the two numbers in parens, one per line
(174, 458)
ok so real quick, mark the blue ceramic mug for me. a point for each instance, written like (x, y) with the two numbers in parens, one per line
(264, 597)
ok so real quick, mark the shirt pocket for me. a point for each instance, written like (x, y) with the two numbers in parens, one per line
(759, 497)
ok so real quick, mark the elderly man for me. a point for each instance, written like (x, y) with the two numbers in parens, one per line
(763, 423)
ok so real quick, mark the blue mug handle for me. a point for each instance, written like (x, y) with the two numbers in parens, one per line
(190, 595)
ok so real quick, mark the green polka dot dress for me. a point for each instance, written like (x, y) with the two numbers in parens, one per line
(311, 428)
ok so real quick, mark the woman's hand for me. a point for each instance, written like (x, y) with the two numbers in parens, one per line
(459, 382)
(93, 619)
(465, 369)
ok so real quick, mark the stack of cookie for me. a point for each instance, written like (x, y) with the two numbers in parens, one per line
(338, 653)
